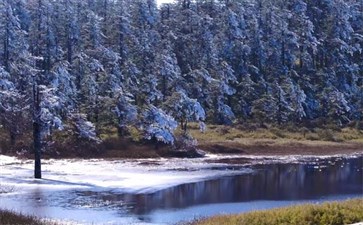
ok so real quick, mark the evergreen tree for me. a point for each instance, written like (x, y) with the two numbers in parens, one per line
(99, 63)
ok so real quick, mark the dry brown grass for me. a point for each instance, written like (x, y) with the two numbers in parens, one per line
(247, 139)
(223, 139)
(12, 218)
(333, 213)
(219, 133)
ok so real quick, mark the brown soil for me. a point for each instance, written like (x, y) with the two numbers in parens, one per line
(109, 149)
(292, 148)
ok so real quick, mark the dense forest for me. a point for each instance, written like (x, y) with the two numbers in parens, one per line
(79, 66)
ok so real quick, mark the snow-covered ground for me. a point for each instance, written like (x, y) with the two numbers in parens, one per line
(144, 175)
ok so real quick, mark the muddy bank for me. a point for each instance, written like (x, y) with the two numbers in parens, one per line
(278, 148)
(126, 149)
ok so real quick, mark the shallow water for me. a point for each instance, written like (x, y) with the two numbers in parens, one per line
(268, 186)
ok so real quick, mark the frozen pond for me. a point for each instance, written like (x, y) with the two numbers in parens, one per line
(166, 191)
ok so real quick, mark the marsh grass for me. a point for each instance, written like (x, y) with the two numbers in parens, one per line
(220, 133)
(12, 218)
(332, 213)
(240, 138)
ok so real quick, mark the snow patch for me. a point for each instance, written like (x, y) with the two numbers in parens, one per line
(144, 175)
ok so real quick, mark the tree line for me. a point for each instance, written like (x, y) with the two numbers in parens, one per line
(78, 66)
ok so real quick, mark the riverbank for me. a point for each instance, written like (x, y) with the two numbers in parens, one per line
(245, 141)
(280, 141)
(347, 212)
(11, 218)
(270, 141)
(281, 147)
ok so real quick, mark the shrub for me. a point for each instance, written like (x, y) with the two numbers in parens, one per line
(278, 132)
(333, 127)
(290, 127)
(223, 130)
(304, 131)
(359, 125)
(11, 218)
(326, 135)
(135, 134)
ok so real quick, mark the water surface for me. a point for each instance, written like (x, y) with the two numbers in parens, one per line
(268, 186)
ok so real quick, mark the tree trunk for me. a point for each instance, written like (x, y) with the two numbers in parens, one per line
(12, 138)
(301, 57)
(37, 139)
(164, 87)
(121, 131)
(37, 150)
(185, 126)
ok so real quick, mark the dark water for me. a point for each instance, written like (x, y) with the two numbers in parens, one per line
(270, 186)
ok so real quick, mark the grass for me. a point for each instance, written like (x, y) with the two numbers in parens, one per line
(12, 218)
(247, 139)
(333, 213)
(278, 140)
(218, 133)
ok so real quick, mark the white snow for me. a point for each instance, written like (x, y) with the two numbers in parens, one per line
(143, 175)
(8, 160)
(164, 1)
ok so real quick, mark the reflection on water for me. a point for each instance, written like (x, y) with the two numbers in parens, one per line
(269, 186)
(269, 182)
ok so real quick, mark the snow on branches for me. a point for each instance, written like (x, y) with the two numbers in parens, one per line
(159, 125)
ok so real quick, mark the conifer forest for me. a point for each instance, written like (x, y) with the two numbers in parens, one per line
(75, 67)
(190, 112)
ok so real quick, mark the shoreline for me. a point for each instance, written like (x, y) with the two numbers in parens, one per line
(331, 212)
(270, 147)
(328, 210)
(240, 148)
(217, 139)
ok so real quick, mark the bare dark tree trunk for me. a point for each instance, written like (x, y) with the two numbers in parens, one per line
(12, 138)
(164, 86)
(301, 57)
(120, 131)
(37, 139)
(185, 126)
